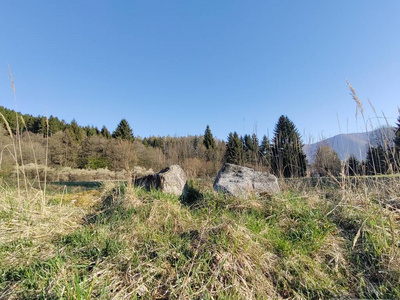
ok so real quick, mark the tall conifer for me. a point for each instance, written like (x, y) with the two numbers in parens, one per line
(105, 132)
(251, 149)
(234, 149)
(397, 134)
(123, 131)
(265, 152)
(289, 159)
(208, 140)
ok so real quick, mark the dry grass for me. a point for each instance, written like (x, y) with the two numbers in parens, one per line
(24, 218)
(314, 243)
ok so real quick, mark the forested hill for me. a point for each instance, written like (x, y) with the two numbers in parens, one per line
(73, 146)
(37, 124)
(58, 144)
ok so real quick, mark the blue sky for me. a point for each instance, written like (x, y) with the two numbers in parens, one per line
(172, 67)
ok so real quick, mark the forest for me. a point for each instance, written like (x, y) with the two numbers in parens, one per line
(68, 151)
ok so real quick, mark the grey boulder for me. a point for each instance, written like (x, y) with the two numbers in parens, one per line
(243, 182)
(170, 180)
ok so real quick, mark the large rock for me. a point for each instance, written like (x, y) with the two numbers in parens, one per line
(243, 182)
(171, 180)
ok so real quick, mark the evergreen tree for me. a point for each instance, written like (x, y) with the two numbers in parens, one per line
(397, 135)
(91, 130)
(105, 133)
(10, 116)
(33, 124)
(354, 166)
(208, 140)
(154, 141)
(265, 152)
(289, 159)
(55, 125)
(76, 132)
(43, 127)
(29, 121)
(395, 151)
(251, 149)
(123, 131)
(376, 161)
(196, 145)
(36, 124)
(234, 149)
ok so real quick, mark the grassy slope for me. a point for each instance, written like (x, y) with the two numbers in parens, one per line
(126, 243)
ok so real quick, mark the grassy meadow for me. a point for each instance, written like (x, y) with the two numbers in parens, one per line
(336, 238)
(121, 242)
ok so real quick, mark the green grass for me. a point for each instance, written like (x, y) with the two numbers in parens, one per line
(128, 243)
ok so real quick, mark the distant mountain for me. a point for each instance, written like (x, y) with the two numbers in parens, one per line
(353, 143)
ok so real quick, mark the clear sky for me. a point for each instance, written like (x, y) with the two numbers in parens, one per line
(172, 67)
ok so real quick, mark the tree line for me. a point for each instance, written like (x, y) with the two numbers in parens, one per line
(87, 147)
(383, 158)
(283, 155)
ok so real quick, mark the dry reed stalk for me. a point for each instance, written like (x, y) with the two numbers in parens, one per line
(33, 151)
(46, 162)
(356, 99)
(358, 234)
(14, 155)
(17, 150)
(15, 142)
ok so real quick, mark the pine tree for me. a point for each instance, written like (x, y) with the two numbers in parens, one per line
(354, 166)
(289, 159)
(55, 125)
(265, 152)
(155, 142)
(123, 131)
(42, 125)
(91, 130)
(77, 132)
(196, 144)
(395, 153)
(376, 161)
(251, 149)
(105, 133)
(208, 140)
(397, 135)
(234, 149)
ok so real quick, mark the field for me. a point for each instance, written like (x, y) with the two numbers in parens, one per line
(119, 242)
(73, 225)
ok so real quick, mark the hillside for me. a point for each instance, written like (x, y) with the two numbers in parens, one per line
(352, 143)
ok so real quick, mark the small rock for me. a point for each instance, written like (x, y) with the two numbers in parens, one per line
(243, 182)
(171, 180)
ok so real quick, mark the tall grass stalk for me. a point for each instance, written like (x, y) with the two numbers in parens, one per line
(16, 141)
(17, 153)
(33, 152)
(46, 162)
(390, 158)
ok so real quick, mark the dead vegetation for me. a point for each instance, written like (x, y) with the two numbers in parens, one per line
(127, 243)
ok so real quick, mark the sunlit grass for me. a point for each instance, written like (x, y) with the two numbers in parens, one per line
(127, 243)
